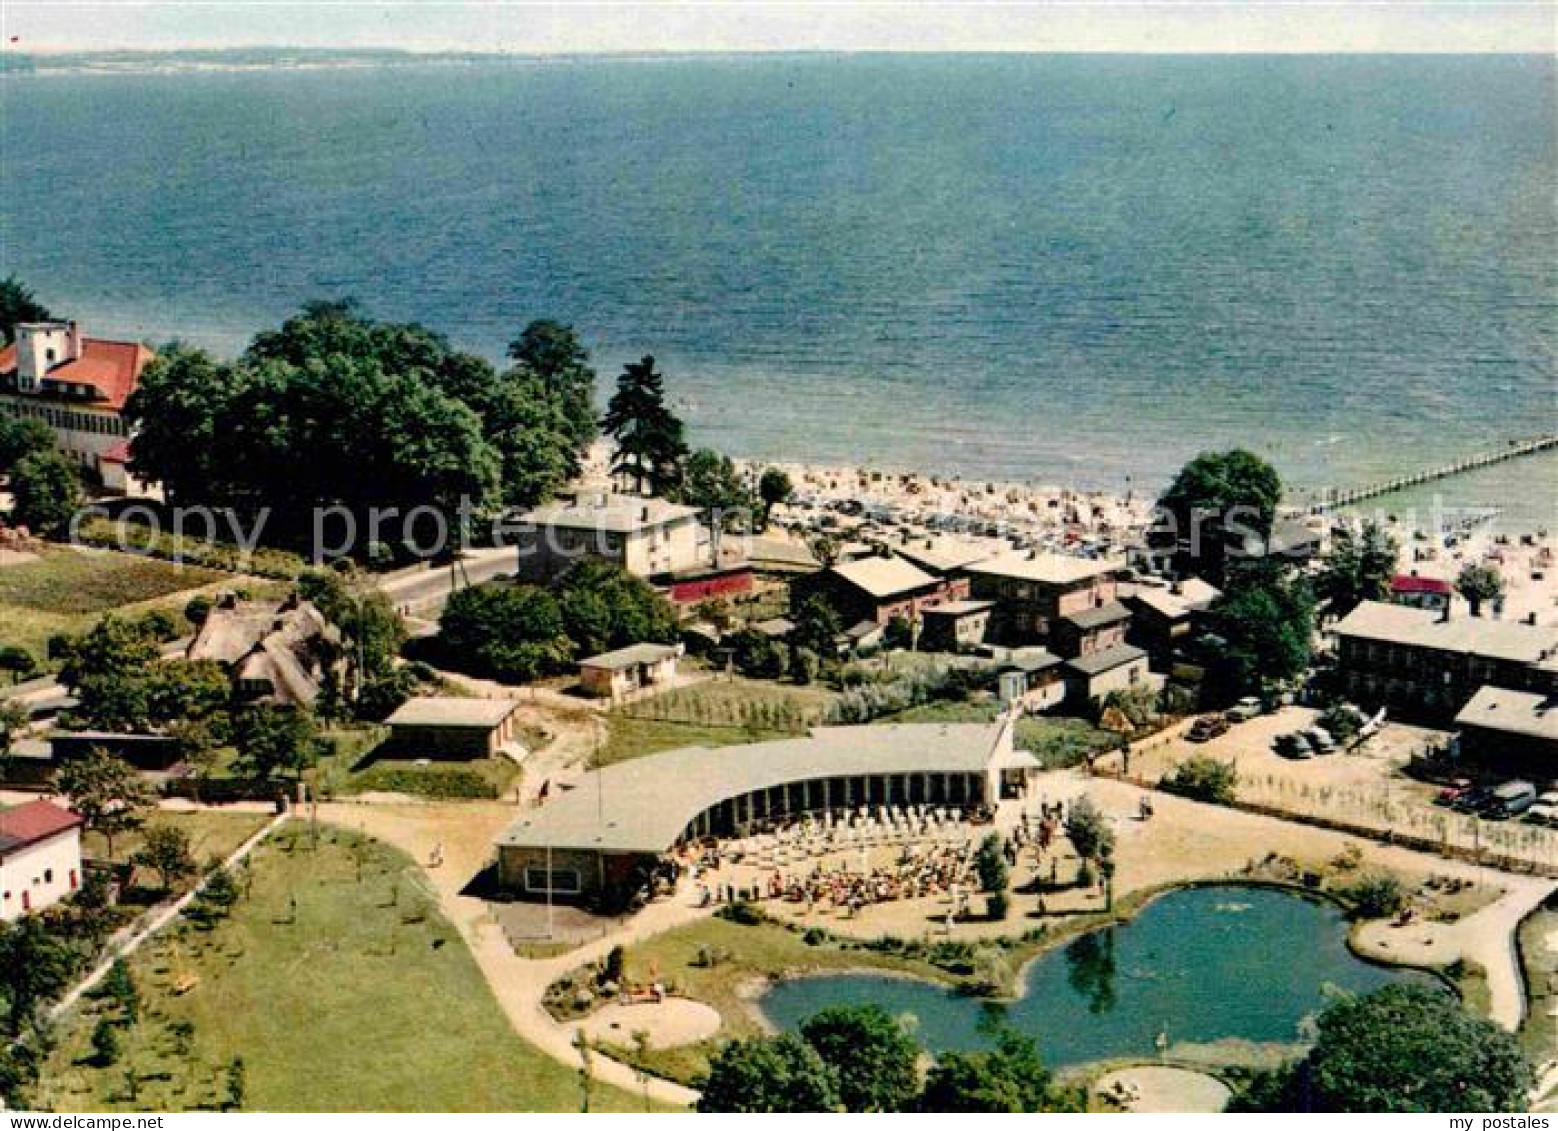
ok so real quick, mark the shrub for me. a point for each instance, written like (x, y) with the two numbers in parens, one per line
(1375, 896)
(105, 1043)
(742, 912)
(1204, 778)
(998, 905)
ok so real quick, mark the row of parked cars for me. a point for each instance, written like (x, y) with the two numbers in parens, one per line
(1501, 802)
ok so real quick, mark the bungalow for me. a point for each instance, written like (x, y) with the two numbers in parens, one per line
(613, 675)
(76, 385)
(1031, 678)
(877, 589)
(40, 857)
(1164, 618)
(1091, 630)
(437, 726)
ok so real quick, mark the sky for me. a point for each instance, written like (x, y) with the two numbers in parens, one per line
(585, 26)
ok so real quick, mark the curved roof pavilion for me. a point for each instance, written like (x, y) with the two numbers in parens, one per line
(649, 804)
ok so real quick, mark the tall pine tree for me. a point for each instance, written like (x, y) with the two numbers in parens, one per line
(648, 435)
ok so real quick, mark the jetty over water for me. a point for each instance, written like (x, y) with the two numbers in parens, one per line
(1515, 449)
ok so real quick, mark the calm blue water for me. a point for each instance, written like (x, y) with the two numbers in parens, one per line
(1064, 268)
(1202, 964)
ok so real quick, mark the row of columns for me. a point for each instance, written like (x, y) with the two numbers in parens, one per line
(824, 795)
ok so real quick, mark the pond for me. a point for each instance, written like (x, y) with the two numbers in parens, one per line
(1198, 964)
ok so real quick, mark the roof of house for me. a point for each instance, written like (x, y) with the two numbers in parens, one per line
(607, 809)
(113, 369)
(612, 514)
(623, 658)
(118, 452)
(32, 822)
(883, 577)
(1513, 712)
(775, 626)
(266, 640)
(1425, 628)
(944, 555)
(1045, 568)
(958, 608)
(1106, 660)
(1030, 660)
(1112, 612)
(452, 711)
(1411, 583)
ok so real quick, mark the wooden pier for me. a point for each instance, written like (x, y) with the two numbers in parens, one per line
(1514, 450)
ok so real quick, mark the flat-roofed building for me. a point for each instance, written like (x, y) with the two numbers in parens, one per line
(956, 625)
(601, 841)
(1097, 674)
(446, 726)
(627, 671)
(1033, 590)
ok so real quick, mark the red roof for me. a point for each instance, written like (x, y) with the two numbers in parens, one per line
(118, 452)
(33, 822)
(1404, 583)
(112, 368)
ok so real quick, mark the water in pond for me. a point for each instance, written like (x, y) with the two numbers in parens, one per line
(1201, 964)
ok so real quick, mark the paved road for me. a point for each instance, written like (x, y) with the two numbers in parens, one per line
(424, 590)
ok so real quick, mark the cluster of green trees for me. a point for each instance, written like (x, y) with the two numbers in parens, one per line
(1404, 1048)
(333, 409)
(861, 1059)
(523, 632)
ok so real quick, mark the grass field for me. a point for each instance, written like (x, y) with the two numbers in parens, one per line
(340, 986)
(212, 833)
(1538, 939)
(67, 590)
(718, 712)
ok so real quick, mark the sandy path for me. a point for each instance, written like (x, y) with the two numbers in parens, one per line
(1164, 1090)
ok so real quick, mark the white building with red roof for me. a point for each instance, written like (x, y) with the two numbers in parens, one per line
(40, 857)
(76, 385)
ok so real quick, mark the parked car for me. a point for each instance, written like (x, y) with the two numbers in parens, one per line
(1543, 813)
(1293, 745)
(1472, 800)
(1207, 727)
(1453, 791)
(1244, 710)
(1510, 800)
(1321, 740)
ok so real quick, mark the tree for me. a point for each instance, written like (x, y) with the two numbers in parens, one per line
(119, 987)
(711, 483)
(13, 720)
(1403, 1048)
(45, 491)
(1478, 584)
(769, 1074)
(1009, 1078)
(105, 1043)
(372, 630)
(553, 355)
(512, 632)
(990, 863)
(18, 661)
(20, 438)
(604, 606)
(1376, 895)
(1266, 622)
(1358, 568)
(774, 488)
(1087, 830)
(18, 304)
(35, 966)
(165, 850)
(816, 626)
(870, 1054)
(236, 1089)
(1215, 498)
(647, 434)
(1205, 779)
(108, 793)
(275, 741)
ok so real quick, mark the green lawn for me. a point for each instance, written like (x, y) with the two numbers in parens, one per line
(633, 738)
(212, 833)
(718, 712)
(67, 590)
(341, 987)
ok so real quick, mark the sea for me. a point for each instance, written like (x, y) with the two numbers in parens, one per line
(1074, 270)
